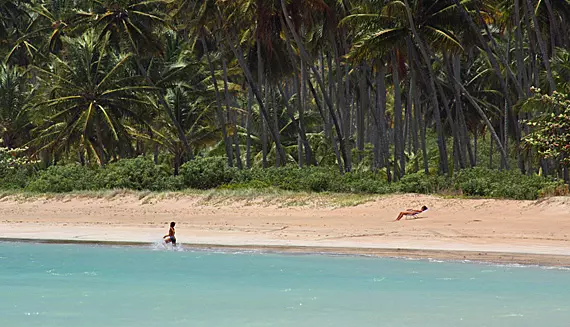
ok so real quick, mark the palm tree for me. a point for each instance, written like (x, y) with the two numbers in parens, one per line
(92, 98)
(133, 26)
(15, 93)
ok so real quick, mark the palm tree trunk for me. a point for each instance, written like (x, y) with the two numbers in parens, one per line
(486, 121)
(398, 146)
(553, 24)
(458, 153)
(486, 48)
(290, 112)
(443, 162)
(264, 127)
(360, 112)
(306, 58)
(155, 154)
(335, 121)
(384, 144)
(162, 101)
(300, 89)
(415, 112)
(219, 105)
(228, 142)
(456, 67)
(541, 46)
(248, 128)
(302, 124)
(423, 127)
(261, 82)
(238, 53)
(521, 68)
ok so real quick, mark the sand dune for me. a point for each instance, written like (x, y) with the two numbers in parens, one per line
(481, 225)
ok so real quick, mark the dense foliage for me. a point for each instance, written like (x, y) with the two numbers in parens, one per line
(370, 96)
(206, 173)
(550, 132)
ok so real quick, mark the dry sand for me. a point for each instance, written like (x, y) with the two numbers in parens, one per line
(530, 232)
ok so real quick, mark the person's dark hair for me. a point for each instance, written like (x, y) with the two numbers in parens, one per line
(172, 224)
(424, 208)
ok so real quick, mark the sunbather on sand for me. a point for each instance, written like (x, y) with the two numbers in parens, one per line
(411, 212)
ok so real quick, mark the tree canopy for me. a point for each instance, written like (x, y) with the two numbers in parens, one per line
(391, 87)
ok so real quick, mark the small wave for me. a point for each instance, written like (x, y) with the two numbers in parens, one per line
(32, 313)
(513, 315)
(54, 273)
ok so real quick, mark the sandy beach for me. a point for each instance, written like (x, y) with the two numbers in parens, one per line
(505, 231)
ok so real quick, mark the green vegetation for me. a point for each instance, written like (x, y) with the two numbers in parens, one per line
(355, 96)
(207, 173)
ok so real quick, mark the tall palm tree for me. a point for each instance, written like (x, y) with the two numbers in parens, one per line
(89, 101)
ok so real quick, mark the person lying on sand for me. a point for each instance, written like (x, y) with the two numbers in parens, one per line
(170, 237)
(411, 212)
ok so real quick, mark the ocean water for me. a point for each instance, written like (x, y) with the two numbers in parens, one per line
(79, 285)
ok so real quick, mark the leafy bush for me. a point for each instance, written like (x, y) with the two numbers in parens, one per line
(59, 179)
(138, 174)
(206, 173)
(366, 182)
(422, 183)
(503, 184)
(12, 179)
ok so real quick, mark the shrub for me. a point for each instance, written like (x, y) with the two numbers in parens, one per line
(11, 179)
(206, 173)
(59, 179)
(421, 183)
(138, 174)
(367, 182)
(503, 184)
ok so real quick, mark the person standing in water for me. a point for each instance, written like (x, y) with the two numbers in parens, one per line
(170, 237)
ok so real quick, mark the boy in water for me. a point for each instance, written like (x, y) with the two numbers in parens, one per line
(170, 237)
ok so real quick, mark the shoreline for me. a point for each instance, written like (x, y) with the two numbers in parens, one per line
(481, 257)
(482, 230)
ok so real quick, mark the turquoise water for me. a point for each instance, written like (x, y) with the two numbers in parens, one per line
(77, 285)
